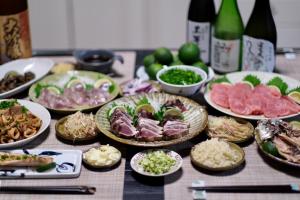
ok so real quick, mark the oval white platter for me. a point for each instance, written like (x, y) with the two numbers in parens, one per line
(39, 66)
(237, 77)
(134, 163)
(141, 74)
(38, 111)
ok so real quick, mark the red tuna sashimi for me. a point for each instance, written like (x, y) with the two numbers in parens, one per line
(237, 98)
(219, 94)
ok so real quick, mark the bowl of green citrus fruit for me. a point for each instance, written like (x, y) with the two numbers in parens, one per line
(188, 54)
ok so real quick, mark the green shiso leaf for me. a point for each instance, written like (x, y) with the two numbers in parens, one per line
(297, 89)
(111, 88)
(279, 83)
(159, 115)
(89, 86)
(39, 87)
(254, 80)
(221, 79)
(143, 101)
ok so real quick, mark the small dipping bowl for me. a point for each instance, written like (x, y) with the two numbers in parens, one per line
(96, 60)
(183, 90)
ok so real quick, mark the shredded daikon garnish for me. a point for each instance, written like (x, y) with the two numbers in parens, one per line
(80, 125)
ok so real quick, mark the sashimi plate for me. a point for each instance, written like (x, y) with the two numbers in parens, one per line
(237, 77)
(68, 165)
(60, 80)
(196, 116)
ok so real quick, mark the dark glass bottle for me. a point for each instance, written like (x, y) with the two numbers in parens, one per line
(201, 15)
(14, 30)
(259, 40)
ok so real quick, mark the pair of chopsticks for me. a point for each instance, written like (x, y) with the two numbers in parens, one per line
(49, 189)
(292, 188)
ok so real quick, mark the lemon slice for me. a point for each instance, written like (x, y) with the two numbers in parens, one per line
(275, 88)
(100, 82)
(174, 112)
(147, 107)
(295, 96)
(73, 82)
(54, 90)
(248, 83)
(295, 124)
(111, 111)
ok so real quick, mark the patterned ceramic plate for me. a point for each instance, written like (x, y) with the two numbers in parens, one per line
(134, 163)
(195, 116)
(61, 79)
(68, 165)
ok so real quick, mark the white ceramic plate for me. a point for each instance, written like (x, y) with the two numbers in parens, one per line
(141, 74)
(264, 77)
(134, 163)
(68, 165)
(39, 66)
(38, 111)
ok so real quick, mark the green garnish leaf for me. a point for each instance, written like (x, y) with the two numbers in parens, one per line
(143, 101)
(89, 86)
(24, 109)
(46, 167)
(130, 110)
(270, 148)
(40, 87)
(221, 79)
(111, 88)
(159, 115)
(8, 104)
(297, 89)
(279, 83)
(112, 106)
(254, 80)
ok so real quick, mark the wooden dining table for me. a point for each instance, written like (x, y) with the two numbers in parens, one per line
(121, 182)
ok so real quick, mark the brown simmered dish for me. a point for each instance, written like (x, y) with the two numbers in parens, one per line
(13, 79)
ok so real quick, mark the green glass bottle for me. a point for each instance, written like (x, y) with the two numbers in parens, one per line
(227, 38)
(259, 40)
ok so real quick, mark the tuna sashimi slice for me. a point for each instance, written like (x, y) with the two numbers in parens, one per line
(237, 98)
(219, 94)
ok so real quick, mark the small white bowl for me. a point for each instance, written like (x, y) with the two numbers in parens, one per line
(183, 90)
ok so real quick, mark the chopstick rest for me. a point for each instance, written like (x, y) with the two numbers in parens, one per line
(198, 194)
(48, 189)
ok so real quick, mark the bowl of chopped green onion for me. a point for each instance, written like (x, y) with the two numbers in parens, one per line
(156, 162)
(181, 79)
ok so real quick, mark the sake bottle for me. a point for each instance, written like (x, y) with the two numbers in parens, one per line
(259, 40)
(15, 40)
(227, 38)
(201, 15)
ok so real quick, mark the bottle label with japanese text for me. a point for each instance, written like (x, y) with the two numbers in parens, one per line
(15, 40)
(225, 55)
(258, 55)
(199, 32)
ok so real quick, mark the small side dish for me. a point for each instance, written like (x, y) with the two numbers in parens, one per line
(159, 162)
(279, 140)
(77, 127)
(14, 79)
(103, 156)
(17, 122)
(138, 86)
(229, 129)
(217, 155)
(181, 79)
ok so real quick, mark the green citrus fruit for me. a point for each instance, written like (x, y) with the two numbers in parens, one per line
(149, 60)
(163, 56)
(153, 69)
(201, 65)
(189, 53)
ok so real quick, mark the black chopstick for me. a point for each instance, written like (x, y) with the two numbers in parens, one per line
(292, 188)
(49, 189)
